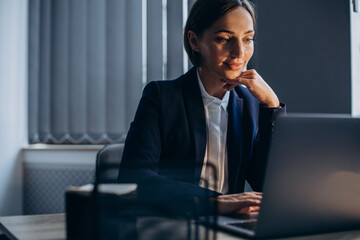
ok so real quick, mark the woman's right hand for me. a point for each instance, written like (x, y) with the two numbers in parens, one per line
(238, 203)
(257, 87)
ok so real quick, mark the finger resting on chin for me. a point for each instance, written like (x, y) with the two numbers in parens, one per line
(233, 81)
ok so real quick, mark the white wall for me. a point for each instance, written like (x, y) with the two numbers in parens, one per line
(13, 102)
(355, 59)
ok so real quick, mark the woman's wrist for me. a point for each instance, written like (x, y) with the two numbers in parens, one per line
(273, 103)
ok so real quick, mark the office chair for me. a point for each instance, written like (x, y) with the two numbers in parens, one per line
(108, 162)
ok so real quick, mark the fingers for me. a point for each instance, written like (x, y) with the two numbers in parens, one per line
(257, 193)
(246, 78)
(247, 204)
(240, 205)
(257, 87)
(239, 199)
(248, 209)
(240, 80)
(244, 194)
(248, 201)
(241, 202)
(247, 73)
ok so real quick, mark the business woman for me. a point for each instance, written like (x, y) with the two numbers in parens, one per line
(203, 134)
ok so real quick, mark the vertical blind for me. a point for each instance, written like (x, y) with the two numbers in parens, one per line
(90, 59)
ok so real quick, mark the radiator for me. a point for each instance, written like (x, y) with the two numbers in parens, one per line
(48, 173)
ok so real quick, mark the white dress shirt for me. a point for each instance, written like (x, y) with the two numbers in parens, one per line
(216, 152)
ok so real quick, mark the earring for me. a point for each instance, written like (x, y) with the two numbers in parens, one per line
(195, 49)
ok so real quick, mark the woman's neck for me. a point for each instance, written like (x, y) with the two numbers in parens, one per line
(212, 84)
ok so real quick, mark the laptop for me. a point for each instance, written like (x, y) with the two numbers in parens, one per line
(312, 182)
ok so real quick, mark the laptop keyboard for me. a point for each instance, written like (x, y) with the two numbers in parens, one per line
(250, 225)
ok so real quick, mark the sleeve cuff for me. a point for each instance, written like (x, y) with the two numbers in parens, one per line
(272, 113)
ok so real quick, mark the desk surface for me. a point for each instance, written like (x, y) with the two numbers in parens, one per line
(34, 227)
(52, 227)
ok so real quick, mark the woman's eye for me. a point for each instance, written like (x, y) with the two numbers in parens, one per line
(222, 40)
(249, 39)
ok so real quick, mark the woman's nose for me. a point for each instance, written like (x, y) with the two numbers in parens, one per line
(237, 50)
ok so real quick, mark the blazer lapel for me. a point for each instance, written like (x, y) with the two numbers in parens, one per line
(248, 133)
(196, 119)
(234, 138)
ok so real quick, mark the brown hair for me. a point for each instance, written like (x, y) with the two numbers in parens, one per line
(204, 13)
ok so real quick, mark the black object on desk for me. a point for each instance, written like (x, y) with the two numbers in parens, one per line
(103, 215)
(115, 211)
(109, 210)
(93, 215)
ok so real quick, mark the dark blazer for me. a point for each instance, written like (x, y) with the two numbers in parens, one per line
(165, 146)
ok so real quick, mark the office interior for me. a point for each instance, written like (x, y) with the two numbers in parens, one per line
(308, 51)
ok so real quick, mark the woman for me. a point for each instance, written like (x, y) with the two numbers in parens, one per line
(213, 123)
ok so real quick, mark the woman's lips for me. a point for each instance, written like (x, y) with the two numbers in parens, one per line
(234, 66)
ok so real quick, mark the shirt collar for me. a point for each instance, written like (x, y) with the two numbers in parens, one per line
(208, 99)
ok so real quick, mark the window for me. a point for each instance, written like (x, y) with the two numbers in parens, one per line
(90, 59)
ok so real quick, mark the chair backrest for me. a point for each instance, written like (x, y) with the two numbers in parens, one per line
(108, 162)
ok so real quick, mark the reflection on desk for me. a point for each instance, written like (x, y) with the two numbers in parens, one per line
(52, 227)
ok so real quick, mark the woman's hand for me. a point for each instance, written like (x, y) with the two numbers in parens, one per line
(238, 203)
(257, 87)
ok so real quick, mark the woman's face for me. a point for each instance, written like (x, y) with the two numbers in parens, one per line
(227, 46)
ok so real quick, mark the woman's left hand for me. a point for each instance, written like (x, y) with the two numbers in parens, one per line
(257, 87)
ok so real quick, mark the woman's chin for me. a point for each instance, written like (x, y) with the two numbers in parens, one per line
(232, 75)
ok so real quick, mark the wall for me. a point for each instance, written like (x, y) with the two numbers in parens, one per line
(13, 98)
(355, 58)
(302, 49)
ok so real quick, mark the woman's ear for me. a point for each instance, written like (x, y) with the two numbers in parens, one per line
(193, 40)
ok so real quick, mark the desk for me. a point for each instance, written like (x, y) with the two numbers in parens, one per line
(52, 227)
(34, 227)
